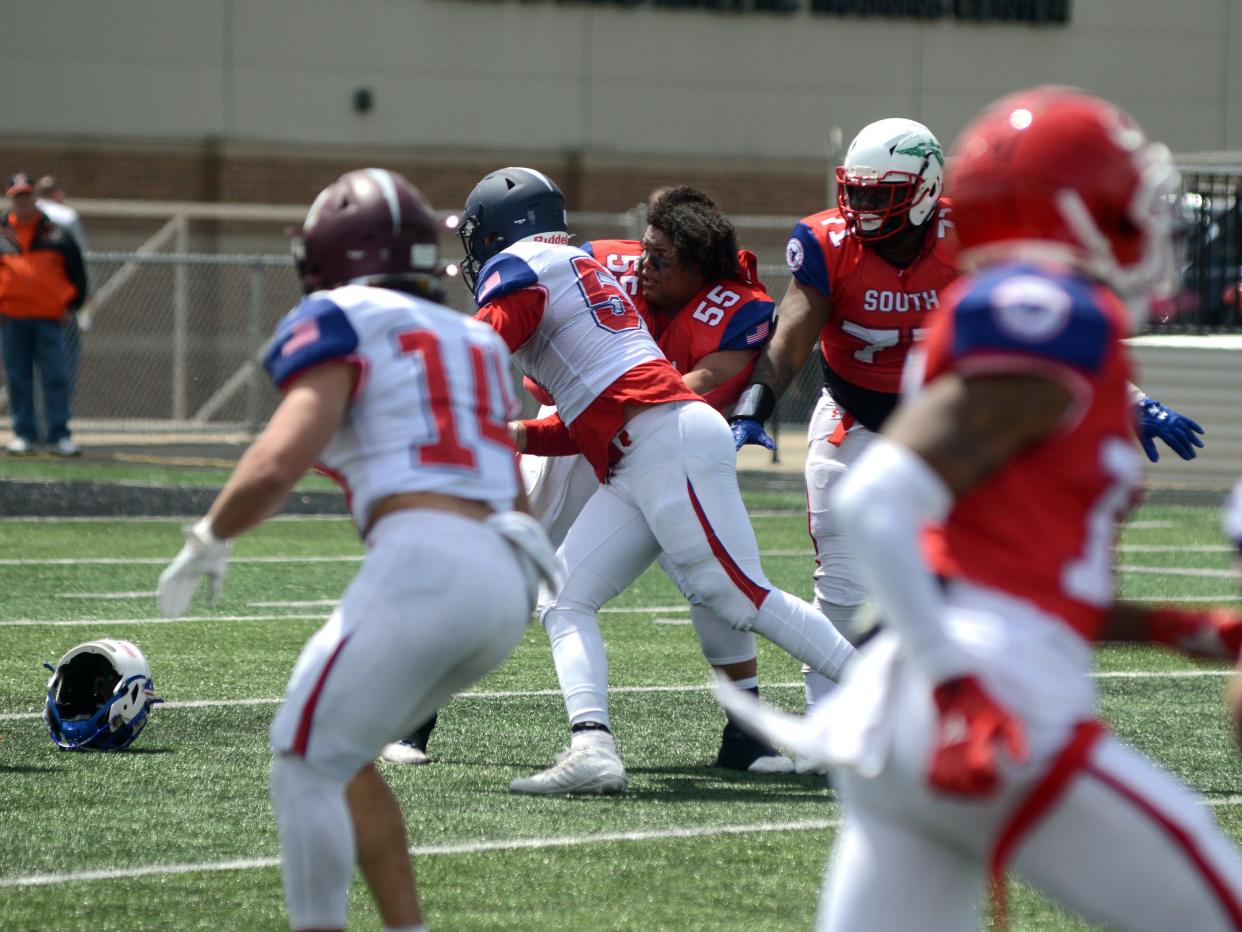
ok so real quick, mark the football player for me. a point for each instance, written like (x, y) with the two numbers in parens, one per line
(966, 734)
(406, 403)
(868, 276)
(664, 457)
(703, 302)
(701, 298)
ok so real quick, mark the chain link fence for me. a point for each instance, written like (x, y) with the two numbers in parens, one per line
(185, 296)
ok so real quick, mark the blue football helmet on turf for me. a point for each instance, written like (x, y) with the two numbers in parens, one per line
(99, 696)
(507, 206)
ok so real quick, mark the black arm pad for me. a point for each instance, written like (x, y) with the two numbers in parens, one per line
(757, 402)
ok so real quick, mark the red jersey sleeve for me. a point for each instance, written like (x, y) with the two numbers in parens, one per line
(516, 315)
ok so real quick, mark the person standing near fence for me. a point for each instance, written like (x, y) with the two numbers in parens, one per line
(50, 198)
(42, 281)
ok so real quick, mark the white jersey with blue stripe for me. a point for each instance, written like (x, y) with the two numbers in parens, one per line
(431, 401)
(590, 333)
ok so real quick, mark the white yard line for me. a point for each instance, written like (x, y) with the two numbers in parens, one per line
(106, 595)
(630, 690)
(159, 519)
(1178, 571)
(101, 622)
(1174, 548)
(450, 848)
(165, 560)
(464, 847)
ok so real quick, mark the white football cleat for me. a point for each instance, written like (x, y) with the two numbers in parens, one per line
(593, 766)
(804, 766)
(772, 763)
(399, 752)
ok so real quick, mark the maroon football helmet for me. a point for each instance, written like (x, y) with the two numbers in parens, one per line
(370, 227)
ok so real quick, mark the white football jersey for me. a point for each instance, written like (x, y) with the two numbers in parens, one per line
(431, 403)
(590, 333)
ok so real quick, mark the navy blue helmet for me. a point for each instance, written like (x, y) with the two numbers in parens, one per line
(506, 206)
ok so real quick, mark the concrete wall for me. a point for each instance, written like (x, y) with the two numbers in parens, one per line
(543, 75)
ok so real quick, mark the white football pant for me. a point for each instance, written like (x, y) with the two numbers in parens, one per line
(413, 628)
(674, 491)
(1088, 820)
(558, 488)
(838, 590)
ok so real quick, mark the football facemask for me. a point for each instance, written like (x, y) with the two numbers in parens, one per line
(891, 178)
(99, 696)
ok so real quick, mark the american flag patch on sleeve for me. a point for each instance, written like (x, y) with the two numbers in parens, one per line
(759, 334)
(304, 333)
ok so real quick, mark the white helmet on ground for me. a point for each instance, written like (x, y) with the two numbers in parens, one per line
(99, 696)
(892, 175)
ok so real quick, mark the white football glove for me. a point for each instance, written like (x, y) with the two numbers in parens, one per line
(204, 554)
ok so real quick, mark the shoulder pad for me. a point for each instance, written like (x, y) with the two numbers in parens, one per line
(1032, 313)
(805, 257)
(503, 273)
(314, 332)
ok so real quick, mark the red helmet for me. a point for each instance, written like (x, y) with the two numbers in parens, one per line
(1056, 174)
(370, 226)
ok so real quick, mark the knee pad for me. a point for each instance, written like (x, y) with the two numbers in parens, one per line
(316, 843)
(721, 596)
(722, 644)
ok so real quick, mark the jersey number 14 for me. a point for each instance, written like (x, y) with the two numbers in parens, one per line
(446, 448)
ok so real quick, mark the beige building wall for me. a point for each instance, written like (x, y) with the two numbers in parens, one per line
(544, 75)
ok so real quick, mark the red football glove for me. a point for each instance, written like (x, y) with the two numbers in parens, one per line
(964, 761)
(1214, 632)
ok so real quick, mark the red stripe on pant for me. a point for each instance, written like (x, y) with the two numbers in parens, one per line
(1181, 838)
(1065, 767)
(752, 590)
(302, 738)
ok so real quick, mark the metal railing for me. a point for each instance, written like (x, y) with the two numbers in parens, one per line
(185, 295)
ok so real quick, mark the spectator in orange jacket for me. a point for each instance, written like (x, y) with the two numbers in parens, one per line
(42, 280)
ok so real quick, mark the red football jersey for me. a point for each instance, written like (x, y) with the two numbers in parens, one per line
(731, 314)
(878, 310)
(1043, 525)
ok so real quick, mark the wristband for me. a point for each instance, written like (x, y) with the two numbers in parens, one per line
(757, 402)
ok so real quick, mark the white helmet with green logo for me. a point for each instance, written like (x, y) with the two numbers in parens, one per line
(892, 176)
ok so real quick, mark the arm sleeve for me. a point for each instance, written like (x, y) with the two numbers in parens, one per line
(75, 269)
(750, 327)
(883, 503)
(516, 315)
(315, 332)
(1032, 323)
(503, 274)
(806, 260)
(549, 436)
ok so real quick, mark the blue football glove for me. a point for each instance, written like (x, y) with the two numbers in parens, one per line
(748, 430)
(1176, 430)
